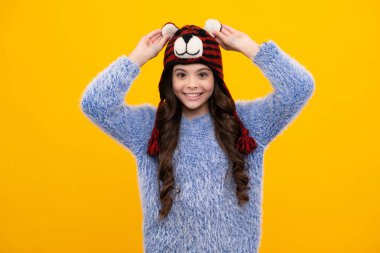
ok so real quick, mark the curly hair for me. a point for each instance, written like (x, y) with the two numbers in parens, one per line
(227, 131)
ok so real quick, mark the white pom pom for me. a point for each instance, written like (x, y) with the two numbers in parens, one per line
(212, 25)
(169, 29)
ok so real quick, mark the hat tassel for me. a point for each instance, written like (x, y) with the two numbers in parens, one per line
(153, 146)
(245, 144)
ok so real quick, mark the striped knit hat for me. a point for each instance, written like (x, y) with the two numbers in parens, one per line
(192, 44)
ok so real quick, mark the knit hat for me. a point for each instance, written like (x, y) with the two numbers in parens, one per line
(192, 44)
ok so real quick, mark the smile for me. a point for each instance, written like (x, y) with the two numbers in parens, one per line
(193, 94)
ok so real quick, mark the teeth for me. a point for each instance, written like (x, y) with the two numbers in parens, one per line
(192, 94)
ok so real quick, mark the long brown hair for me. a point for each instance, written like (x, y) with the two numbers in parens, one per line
(227, 131)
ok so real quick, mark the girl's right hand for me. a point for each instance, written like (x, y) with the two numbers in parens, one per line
(148, 47)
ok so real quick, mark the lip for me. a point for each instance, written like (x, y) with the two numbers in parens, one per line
(193, 98)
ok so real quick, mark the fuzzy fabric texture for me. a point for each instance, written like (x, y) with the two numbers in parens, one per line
(205, 216)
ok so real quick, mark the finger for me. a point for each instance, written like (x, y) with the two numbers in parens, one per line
(163, 41)
(220, 42)
(225, 32)
(153, 33)
(229, 28)
(219, 35)
(156, 37)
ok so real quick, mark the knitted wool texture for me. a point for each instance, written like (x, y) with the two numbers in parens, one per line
(196, 45)
(205, 216)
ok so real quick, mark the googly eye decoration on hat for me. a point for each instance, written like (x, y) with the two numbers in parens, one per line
(190, 46)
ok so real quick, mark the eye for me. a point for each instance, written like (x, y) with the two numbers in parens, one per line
(179, 74)
(205, 74)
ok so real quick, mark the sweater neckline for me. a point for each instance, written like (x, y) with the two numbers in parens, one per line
(197, 126)
(197, 118)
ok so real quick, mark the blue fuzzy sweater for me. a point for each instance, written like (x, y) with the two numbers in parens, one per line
(205, 216)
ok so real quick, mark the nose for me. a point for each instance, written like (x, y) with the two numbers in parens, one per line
(187, 37)
(192, 83)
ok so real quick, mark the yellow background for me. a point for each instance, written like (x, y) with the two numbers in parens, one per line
(67, 187)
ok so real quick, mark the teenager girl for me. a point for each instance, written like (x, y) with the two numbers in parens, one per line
(199, 153)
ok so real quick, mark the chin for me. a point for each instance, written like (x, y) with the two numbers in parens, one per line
(194, 107)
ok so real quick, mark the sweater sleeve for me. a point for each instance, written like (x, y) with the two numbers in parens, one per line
(103, 103)
(293, 85)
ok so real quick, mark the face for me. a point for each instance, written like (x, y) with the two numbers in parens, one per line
(193, 84)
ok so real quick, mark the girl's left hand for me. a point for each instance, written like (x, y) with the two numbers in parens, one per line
(234, 40)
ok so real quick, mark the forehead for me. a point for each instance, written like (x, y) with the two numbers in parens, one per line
(190, 67)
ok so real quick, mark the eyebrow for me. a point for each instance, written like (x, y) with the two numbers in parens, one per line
(186, 71)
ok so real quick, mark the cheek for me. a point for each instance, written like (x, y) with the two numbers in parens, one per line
(176, 89)
(175, 86)
(210, 86)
